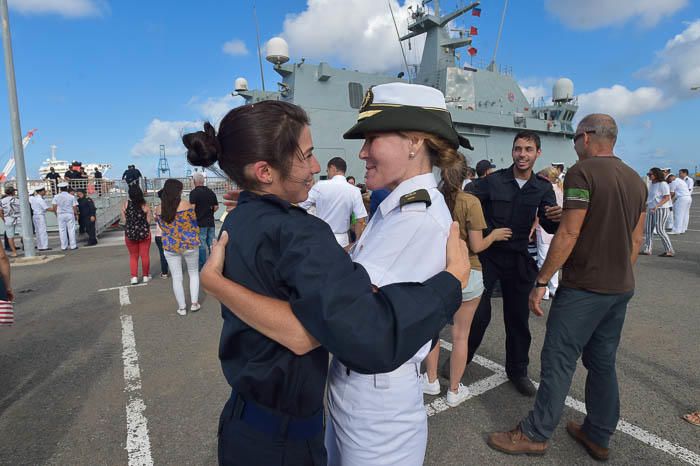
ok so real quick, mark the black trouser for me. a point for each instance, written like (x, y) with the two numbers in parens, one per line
(516, 272)
(241, 444)
(90, 229)
(163, 260)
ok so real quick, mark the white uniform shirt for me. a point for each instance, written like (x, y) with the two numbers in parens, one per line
(690, 182)
(335, 201)
(406, 244)
(64, 203)
(656, 192)
(679, 187)
(39, 205)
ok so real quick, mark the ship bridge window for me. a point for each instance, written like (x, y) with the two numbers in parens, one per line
(356, 95)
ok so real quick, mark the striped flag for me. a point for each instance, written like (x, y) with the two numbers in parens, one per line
(7, 314)
(476, 12)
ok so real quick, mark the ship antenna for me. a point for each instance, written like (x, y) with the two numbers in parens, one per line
(405, 62)
(492, 65)
(257, 34)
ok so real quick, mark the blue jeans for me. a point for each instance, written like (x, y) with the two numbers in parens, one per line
(580, 322)
(206, 237)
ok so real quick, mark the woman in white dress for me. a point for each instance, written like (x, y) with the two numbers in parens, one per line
(544, 239)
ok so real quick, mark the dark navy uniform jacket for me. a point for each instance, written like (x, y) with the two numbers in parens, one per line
(86, 208)
(506, 205)
(279, 250)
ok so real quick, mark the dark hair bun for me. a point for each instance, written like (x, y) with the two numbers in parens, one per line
(203, 148)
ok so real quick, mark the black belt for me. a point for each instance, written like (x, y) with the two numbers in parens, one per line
(276, 424)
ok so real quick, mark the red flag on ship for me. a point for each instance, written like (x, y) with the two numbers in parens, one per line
(476, 11)
(471, 51)
(473, 31)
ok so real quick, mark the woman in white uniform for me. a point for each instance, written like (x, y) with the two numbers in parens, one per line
(380, 418)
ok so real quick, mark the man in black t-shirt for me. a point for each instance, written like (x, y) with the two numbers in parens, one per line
(205, 204)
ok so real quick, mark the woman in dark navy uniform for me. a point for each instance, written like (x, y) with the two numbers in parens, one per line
(275, 412)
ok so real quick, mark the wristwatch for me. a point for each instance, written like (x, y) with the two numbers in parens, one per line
(540, 285)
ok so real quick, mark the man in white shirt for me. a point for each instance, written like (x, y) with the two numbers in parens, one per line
(39, 209)
(336, 201)
(683, 175)
(681, 204)
(66, 211)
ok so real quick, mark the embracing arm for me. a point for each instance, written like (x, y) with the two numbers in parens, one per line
(370, 330)
(269, 316)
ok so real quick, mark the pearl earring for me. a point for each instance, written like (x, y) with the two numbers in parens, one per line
(411, 155)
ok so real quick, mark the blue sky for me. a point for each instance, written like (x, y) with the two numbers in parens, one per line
(110, 81)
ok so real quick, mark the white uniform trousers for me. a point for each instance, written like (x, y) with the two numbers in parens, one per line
(681, 212)
(542, 250)
(342, 238)
(66, 230)
(376, 419)
(42, 238)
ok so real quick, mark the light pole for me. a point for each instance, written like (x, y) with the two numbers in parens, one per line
(27, 237)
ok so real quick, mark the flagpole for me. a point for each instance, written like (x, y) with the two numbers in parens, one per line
(25, 216)
(492, 65)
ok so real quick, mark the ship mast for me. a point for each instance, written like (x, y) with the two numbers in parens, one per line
(439, 48)
(492, 65)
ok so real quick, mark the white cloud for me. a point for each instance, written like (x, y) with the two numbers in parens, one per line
(621, 102)
(168, 133)
(213, 109)
(592, 14)
(235, 47)
(677, 66)
(359, 34)
(67, 8)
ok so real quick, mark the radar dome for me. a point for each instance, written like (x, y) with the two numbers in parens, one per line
(277, 51)
(240, 85)
(563, 90)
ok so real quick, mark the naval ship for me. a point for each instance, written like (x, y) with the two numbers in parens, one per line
(487, 105)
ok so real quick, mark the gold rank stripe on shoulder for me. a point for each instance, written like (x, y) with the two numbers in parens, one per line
(419, 195)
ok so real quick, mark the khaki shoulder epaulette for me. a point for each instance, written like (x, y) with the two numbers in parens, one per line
(419, 195)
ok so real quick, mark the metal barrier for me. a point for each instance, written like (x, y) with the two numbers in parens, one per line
(109, 195)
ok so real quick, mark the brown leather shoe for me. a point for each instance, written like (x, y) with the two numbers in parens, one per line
(596, 451)
(515, 443)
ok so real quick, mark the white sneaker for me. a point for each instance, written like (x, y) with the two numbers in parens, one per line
(182, 312)
(147, 279)
(456, 398)
(134, 280)
(195, 307)
(430, 388)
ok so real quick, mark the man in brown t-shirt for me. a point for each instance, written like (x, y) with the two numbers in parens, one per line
(596, 244)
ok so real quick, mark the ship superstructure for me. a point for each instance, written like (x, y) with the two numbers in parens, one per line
(486, 104)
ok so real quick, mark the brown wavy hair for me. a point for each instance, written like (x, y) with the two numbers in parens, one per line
(450, 161)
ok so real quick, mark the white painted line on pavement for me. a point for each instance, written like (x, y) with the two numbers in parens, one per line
(636, 432)
(124, 296)
(138, 444)
(120, 287)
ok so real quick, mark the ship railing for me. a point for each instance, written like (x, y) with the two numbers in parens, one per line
(109, 195)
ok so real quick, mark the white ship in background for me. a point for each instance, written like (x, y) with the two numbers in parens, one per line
(61, 166)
